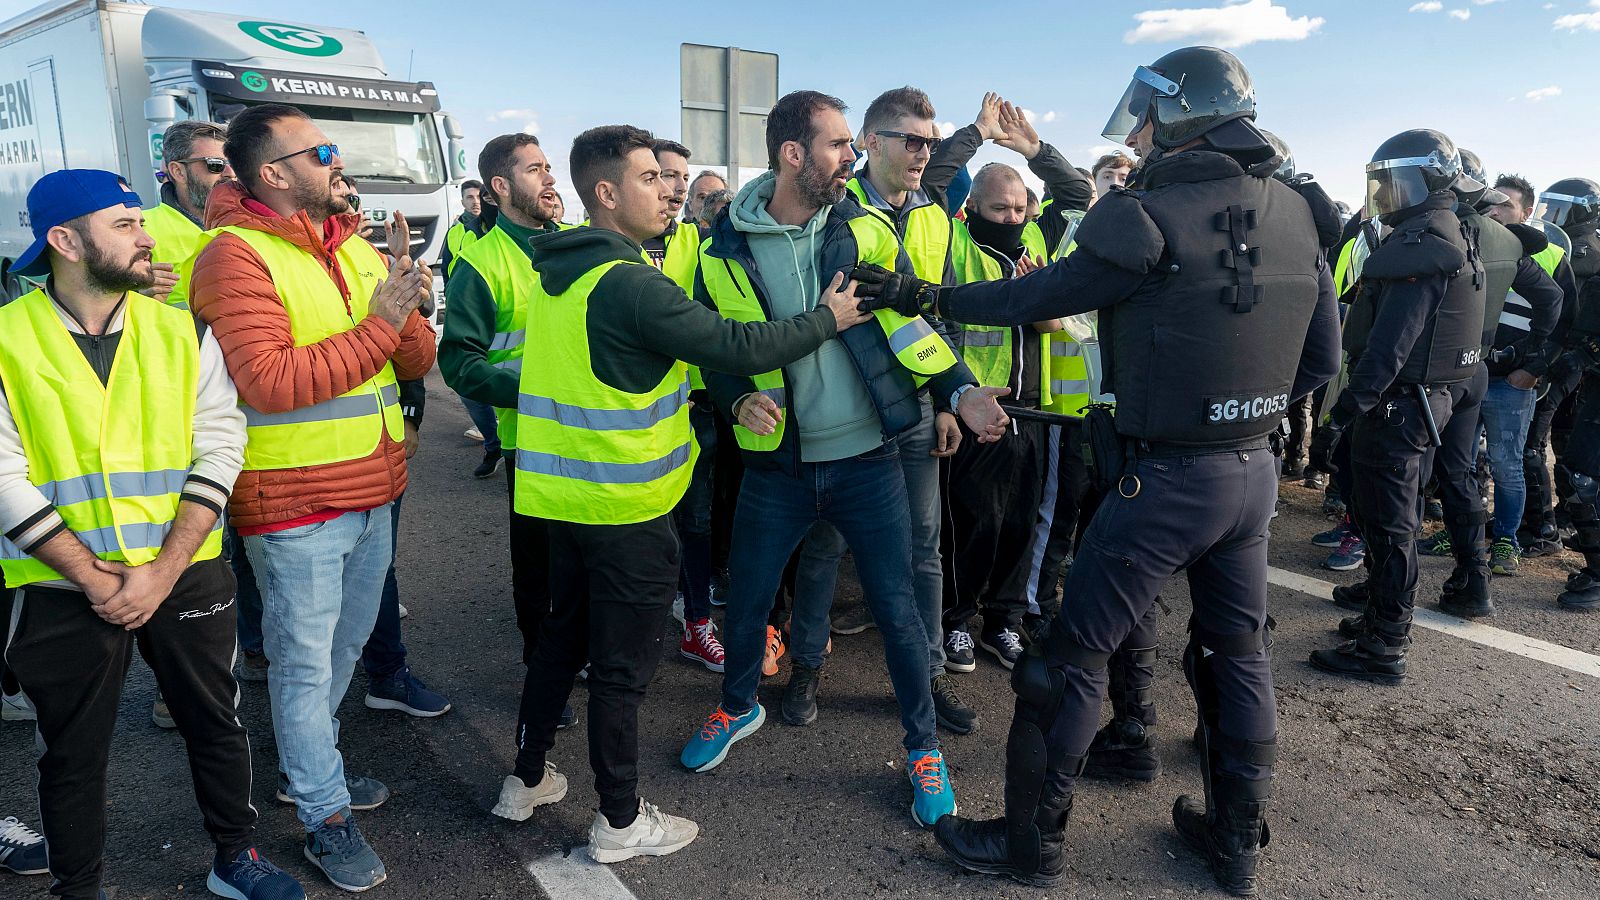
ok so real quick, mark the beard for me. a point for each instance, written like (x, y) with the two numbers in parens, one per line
(111, 275)
(318, 200)
(816, 185)
(197, 194)
(527, 205)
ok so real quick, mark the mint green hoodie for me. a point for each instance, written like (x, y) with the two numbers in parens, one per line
(828, 399)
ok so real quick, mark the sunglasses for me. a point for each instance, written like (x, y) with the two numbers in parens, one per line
(325, 154)
(914, 142)
(214, 164)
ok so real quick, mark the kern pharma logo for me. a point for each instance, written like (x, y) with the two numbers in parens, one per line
(293, 38)
(255, 81)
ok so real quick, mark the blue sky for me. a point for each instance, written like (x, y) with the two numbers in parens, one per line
(1505, 78)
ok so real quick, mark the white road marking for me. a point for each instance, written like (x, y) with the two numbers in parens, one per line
(1486, 635)
(576, 876)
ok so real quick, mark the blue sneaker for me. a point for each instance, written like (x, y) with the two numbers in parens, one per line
(250, 877)
(1332, 537)
(1351, 553)
(22, 850)
(339, 850)
(405, 692)
(932, 797)
(365, 793)
(708, 748)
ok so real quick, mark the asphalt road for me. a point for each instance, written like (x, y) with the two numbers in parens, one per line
(1476, 779)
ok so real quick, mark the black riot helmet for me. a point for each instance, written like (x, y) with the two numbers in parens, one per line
(1483, 198)
(1285, 171)
(1408, 167)
(1570, 203)
(1186, 94)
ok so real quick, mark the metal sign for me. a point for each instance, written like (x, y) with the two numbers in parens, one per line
(263, 85)
(726, 95)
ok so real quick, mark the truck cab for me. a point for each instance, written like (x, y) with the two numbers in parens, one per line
(156, 66)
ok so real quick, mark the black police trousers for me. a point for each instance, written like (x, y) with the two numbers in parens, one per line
(1390, 457)
(1455, 468)
(1206, 515)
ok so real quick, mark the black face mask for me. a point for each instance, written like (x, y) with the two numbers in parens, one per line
(1005, 238)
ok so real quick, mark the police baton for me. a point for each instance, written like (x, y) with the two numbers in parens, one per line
(1427, 417)
(1039, 415)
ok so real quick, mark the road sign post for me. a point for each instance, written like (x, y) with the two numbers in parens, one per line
(726, 95)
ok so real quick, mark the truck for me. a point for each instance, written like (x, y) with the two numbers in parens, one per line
(95, 83)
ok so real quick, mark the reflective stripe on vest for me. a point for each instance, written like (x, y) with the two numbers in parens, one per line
(327, 411)
(587, 452)
(111, 457)
(508, 273)
(351, 426)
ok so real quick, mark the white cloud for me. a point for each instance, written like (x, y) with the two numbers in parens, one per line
(1543, 93)
(946, 129)
(530, 119)
(1581, 21)
(1049, 116)
(1098, 150)
(1030, 115)
(1461, 15)
(1235, 24)
(1431, 6)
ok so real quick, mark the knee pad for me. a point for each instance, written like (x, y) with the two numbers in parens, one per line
(1038, 687)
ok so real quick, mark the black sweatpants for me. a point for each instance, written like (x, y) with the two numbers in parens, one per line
(1549, 430)
(73, 664)
(993, 500)
(530, 567)
(611, 588)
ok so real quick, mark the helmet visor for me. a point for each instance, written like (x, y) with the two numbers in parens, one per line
(1134, 107)
(1559, 209)
(1396, 184)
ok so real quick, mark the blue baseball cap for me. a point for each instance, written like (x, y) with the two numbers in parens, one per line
(62, 196)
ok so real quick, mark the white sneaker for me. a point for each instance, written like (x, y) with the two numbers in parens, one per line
(17, 708)
(473, 434)
(403, 611)
(653, 833)
(517, 800)
(677, 609)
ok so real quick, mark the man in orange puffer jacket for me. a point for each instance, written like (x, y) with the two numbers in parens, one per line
(315, 328)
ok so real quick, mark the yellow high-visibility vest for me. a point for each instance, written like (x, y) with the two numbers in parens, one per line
(111, 457)
(588, 452)
(351, 425)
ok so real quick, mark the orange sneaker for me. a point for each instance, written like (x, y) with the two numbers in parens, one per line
(769, 663)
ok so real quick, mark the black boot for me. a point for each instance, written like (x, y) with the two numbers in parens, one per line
(1352, 627)
(1466, 593)
(1583, 590)
(1351, 596)
(1230, 834)
(989, 847)
(1125, 748)
(1379, 654)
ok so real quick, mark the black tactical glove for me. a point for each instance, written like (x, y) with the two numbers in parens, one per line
(907, 295)
(1320, 457)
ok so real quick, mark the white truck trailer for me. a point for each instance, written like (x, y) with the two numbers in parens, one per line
(94, 83)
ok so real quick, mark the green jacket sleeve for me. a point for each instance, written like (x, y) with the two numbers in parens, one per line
(659, 317)
(468, 333)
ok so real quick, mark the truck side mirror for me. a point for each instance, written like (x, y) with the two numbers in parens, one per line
(457, 152)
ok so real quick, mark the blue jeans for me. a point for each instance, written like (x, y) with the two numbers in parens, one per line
(486, 421)
(1507, 411)
(320, 589)
(385, 653)
(824, 548)
(864, 497)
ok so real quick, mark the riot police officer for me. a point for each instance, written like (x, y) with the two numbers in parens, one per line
(1574, 205)
(1414, 336)
(1208, 278)
(1124, 748)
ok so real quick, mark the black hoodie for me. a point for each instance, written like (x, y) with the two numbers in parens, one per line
(640, 321)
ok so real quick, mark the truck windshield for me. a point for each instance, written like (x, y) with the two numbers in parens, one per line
(377, 145)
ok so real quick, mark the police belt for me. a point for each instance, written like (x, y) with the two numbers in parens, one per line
(1141, 449)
